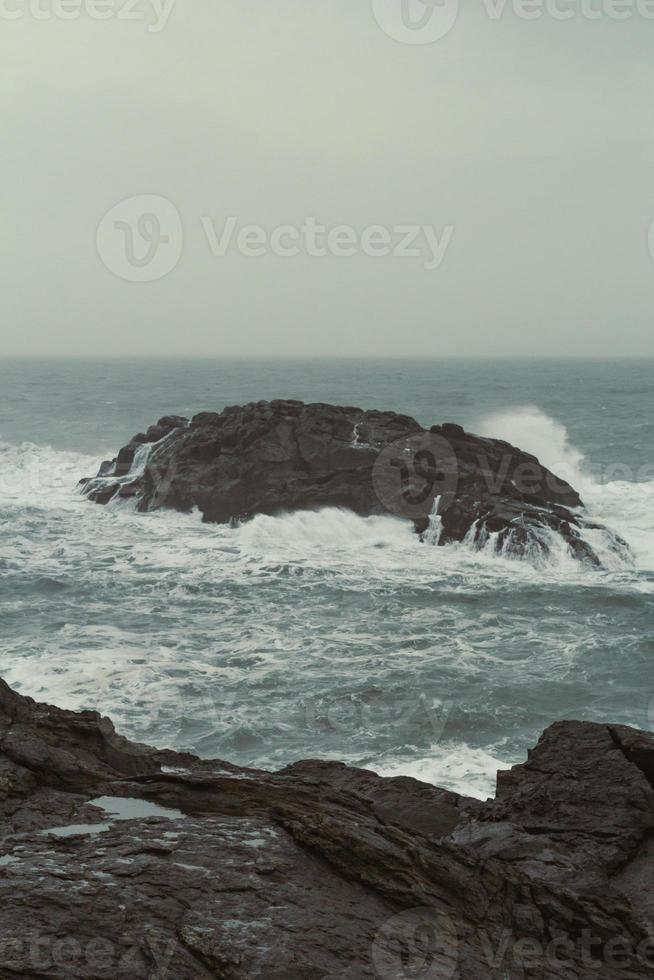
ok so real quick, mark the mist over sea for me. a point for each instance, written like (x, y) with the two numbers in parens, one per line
(323, 634)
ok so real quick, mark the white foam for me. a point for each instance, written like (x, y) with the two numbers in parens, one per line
(455, 766)
(41, 476)
(434, 530)
(623, 506)
(533, 431)
(140, 460)
(327, 531)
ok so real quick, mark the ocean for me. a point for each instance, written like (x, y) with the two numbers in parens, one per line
(322, 634)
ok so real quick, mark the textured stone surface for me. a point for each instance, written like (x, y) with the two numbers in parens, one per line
(319, 871)
(268, 457)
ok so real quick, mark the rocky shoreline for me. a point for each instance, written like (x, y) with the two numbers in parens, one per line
(283, 455)
(189, 868)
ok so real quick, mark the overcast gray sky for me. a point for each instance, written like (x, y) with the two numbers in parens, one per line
(525, 147)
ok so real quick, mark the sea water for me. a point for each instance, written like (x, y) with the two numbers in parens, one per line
(322, 634)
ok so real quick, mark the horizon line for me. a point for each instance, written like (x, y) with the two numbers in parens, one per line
(326, 357)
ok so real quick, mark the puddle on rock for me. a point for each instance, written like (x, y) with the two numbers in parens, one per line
(77, 828)
(119, 808)
(129, 808)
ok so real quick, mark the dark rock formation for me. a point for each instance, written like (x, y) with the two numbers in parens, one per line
(318, 872)
(268, 457)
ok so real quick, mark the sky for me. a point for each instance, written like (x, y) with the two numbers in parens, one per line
(284, 177)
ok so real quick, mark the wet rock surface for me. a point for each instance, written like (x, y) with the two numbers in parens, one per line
(118, 860)
(270, 457)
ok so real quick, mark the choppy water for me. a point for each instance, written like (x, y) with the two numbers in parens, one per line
(323, 634)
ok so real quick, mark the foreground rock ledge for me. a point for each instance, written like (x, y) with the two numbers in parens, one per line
(268, 457)
(319, 871)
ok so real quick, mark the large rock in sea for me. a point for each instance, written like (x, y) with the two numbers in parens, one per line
(269, 457)
(118, 860)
